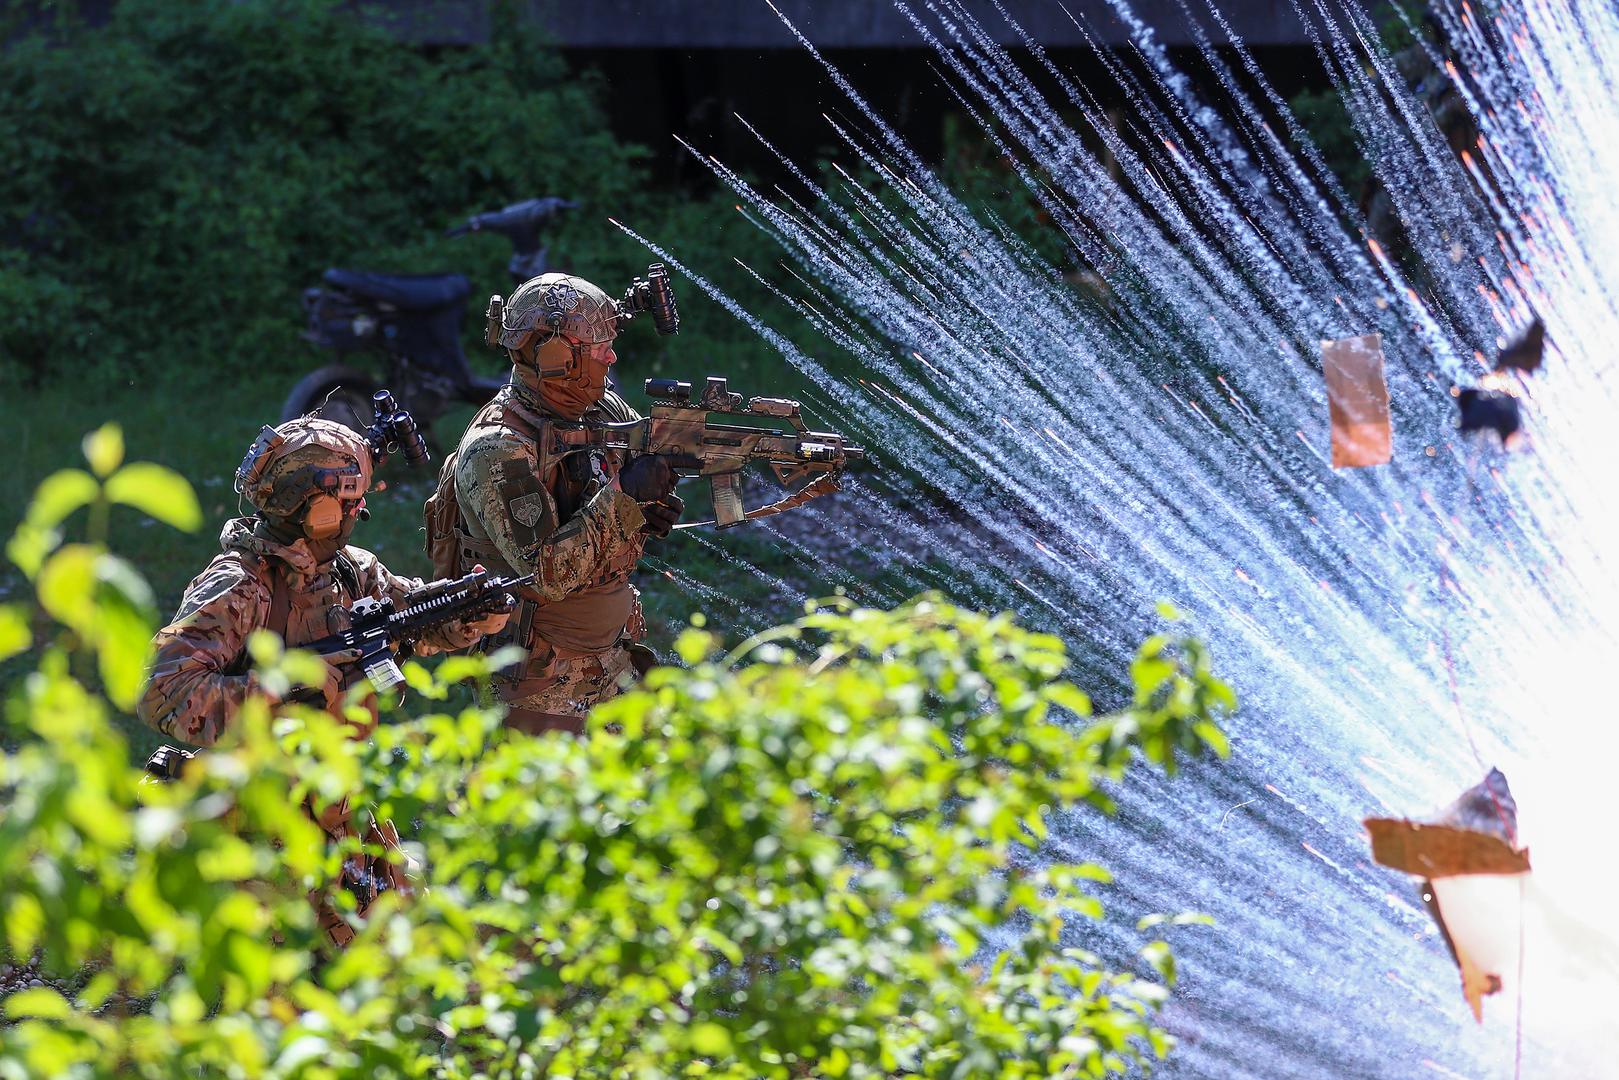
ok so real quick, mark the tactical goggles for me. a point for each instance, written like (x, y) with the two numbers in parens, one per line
(347, 484)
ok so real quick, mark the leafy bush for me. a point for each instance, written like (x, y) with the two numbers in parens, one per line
(177, 176)
(814, 855)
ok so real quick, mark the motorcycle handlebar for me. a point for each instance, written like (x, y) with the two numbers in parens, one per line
(520, 222)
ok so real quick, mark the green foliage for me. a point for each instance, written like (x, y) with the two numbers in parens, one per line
(177, 176)
(813, 855)
(1325, 117)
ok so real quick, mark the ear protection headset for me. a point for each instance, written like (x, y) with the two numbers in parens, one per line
(544, 325)
(323, 517)
(546, 329)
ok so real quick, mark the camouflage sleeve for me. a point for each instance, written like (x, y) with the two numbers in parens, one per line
(377, 580)
(189, 694)
(497, 482)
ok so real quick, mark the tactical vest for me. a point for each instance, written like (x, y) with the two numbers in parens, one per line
(571, 475)
(301, 617)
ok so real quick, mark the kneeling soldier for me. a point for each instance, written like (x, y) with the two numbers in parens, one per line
(287, 569)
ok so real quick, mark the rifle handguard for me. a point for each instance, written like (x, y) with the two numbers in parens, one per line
(683, 429)
(378, 628)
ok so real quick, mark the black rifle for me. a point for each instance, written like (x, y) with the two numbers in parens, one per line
(375, 631)
(377, 628)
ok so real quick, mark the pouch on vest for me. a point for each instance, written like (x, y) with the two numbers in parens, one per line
(441, 516)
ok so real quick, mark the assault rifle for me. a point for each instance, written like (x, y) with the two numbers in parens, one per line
(695, 444)
(377, 628)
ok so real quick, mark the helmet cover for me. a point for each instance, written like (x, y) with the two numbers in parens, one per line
(553, 304)
(289, 464)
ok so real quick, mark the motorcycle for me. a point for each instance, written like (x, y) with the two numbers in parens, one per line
(415, 322)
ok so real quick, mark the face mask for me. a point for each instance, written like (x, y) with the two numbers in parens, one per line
(571, 398)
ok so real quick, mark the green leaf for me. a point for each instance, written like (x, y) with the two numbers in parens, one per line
(29, 545)
(1158, 956)
(419, 679)
(40, 1003)
(1088, 906)
(693, 645)
(67, 585)
(15, 636)
(123, 647)
(1069, 697)
(121, 580)
(1212, 737)
(710, 1040)
(104, 448)
(501, 658)
(476, 665)
(251, 959)
(61, 493)
(158, 491)
(265, 647)
(97, 990)
(25, 924)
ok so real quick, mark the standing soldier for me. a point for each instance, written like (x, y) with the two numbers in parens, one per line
(286, 569)
(520, 500)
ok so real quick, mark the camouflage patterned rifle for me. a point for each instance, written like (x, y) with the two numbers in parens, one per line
(696, 444)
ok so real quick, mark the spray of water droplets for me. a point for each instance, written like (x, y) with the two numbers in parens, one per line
(1076, 454)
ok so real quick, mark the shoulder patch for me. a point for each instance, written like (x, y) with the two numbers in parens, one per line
(527, 509)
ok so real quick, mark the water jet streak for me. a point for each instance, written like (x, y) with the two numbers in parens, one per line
(1045, 422)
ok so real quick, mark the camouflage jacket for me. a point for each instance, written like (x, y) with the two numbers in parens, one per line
(200, 675)
(528, 507)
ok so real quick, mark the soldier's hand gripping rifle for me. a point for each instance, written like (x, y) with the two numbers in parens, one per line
(377, 629)
(697, 444)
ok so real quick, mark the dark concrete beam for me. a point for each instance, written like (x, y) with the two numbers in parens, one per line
(831, 24)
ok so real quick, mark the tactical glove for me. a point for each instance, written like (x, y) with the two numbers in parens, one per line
(648, 479)
(329, 694)
(661, 516)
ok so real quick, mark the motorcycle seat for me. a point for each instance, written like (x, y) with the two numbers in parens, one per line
(408, 292)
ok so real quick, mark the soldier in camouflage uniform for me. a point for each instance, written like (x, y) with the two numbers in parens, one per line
(287, 569)
(577, 518)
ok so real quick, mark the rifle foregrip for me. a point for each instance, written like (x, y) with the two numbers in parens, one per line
(728, 509)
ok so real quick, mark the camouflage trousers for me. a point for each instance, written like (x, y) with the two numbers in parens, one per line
(365, 877)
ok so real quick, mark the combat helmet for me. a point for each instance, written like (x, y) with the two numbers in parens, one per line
(306, 462)
(549, 320)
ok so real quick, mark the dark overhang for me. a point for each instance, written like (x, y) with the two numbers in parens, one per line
(829, 24)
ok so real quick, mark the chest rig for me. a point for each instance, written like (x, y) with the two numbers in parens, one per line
(571, 466)
(308, 614)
